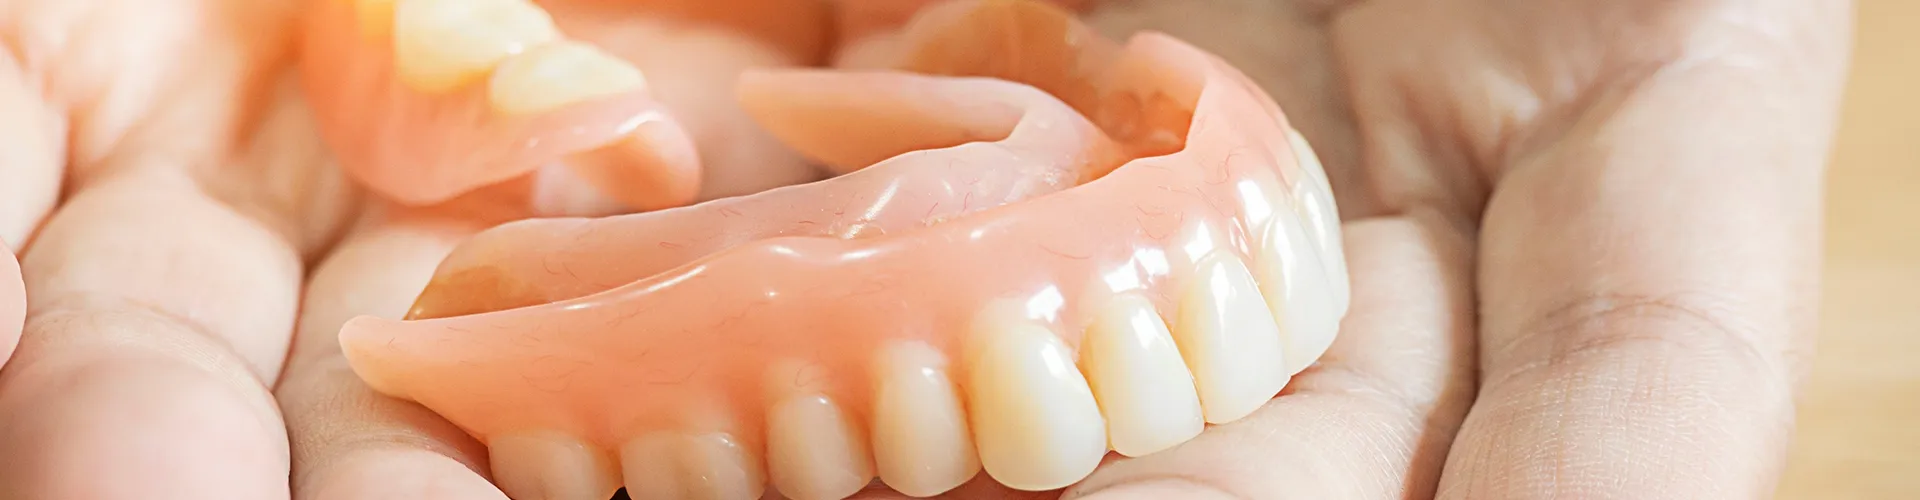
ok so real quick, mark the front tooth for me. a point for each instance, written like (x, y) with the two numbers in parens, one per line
(920, 438)
(557, 75)
(1136, 373)
(439, 45)
(672, 466)
(814, 451)
(1315, 198)
(1229, 339)
(1297, 290)
(1034, 417)
(546, 466)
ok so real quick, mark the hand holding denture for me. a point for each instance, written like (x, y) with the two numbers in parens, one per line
(868, 248)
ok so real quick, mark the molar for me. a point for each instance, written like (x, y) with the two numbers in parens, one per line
(440, 45)
(1139, 379)
(546, 466)
(1229, 339)
(559, 74)
(921, 442)
(1034, 416)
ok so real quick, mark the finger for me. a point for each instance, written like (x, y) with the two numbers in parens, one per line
(32, 146)
(1648, 281)
(350, 443)
(13, 303)
(159, 315)
(1373, 419)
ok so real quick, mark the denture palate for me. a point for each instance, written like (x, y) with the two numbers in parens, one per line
(424, 101)
(1061, 247)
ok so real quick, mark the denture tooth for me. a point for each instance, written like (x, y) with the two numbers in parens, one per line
(921, 442)
(547, 466)
(674, 466)
(814, 449)
(440, 45)
(1316, 204)
(1229, 339)
(1297, 290)
(1034, 418)
(559, 74)
(1137, 375)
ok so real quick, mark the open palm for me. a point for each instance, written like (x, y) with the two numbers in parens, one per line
(1583, 235)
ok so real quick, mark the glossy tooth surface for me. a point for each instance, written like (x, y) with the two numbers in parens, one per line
(542, 466)
(921, 442)
(1322, 218)
(559, 74)
(1138, 377)
(1229, 339)
(1297, 290)
(672, 466)
(439, 45)
(1034, 418)
(814, 451)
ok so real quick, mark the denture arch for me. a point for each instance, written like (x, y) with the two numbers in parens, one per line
(1019, 233)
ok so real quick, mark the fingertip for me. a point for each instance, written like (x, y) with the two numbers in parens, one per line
(397, 474)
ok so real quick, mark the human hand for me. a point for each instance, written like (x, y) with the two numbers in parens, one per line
(1590, 228)
(166, 279)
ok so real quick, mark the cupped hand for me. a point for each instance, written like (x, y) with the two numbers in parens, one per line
(158, 170)
(1582, 237)
(1584, 240)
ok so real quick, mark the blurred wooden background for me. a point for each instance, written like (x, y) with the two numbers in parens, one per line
(1859, 434)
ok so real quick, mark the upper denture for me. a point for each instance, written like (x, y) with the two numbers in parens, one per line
(996, 225)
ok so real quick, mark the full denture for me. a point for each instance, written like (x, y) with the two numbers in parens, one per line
(1128, 242)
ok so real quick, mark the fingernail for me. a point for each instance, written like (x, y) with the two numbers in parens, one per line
(1158, 489)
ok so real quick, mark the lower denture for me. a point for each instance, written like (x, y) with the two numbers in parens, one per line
(998, 225)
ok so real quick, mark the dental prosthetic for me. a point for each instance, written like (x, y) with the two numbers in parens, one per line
(1038, 245)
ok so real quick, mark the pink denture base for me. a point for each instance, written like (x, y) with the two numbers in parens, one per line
(714, 302)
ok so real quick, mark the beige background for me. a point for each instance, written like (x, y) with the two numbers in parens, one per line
(1859, 434)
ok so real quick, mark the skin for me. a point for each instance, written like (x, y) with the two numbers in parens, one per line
(1583, 237)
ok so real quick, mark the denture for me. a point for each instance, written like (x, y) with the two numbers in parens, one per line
(1046, 246)
(424, 101)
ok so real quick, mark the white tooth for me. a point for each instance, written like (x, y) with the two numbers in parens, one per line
(1138, 377)
(548, 466)
(1297, 291)
(1316, 205)
(557, 75)
(673, 466)
(1308, 160)
(439, 45)
(921, 442)
(1034, 417)
(1229, 339)
(814, 452)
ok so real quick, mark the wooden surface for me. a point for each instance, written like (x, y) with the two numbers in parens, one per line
(1859, 427)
